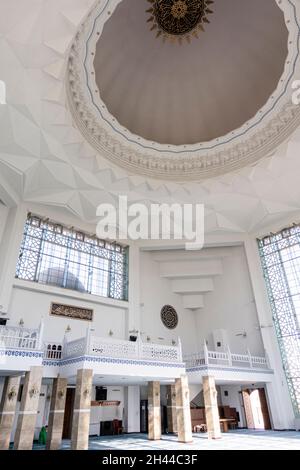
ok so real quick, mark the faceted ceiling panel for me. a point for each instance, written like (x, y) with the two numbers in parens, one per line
(44, 158)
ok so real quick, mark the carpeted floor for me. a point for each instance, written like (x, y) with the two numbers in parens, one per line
(234, 440)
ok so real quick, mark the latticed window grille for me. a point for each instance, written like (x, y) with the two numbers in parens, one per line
(57, 255)
(280, 256)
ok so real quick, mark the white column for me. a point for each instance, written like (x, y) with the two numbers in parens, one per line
(229, 356)
(133, 312)
(205, 350)
(282, 414)
(9, 252)
(132, 406)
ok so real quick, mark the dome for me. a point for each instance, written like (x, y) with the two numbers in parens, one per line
(199, 90)
(59, 277)
(185, 109)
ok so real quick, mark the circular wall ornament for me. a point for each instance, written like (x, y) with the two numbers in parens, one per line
(169, 317)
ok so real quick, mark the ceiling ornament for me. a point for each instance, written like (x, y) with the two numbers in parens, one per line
(256, 139)
(178, 19)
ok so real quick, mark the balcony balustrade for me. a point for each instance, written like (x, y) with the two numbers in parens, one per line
(20, 338)
(225, 359)
(122, 349)
(13, 337)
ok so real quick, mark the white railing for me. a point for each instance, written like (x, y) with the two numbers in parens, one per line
(122, 349)
(74, 348)
(159, 352)
(228, 359)
(13, 337)
(113, 348)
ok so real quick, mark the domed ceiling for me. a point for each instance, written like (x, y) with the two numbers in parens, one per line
(60, 148)
(199, 90)
(185, 106)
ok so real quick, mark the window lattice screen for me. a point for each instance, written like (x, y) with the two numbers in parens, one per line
(57, 255)
(280, 256)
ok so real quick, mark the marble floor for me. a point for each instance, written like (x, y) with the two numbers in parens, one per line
(233, 440)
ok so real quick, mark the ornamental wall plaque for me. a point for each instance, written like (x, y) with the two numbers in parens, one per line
(169, 317)
(178, 19)
(69, 311)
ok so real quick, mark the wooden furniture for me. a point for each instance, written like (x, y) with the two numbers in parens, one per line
(105, 403)
(226, 412)
(225, 422)
(197, 418)
(228, 419)
(200, 428)
(117, 427)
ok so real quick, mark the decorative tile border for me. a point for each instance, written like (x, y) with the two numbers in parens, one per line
(21, 353)
(229, 369)
(109, 360)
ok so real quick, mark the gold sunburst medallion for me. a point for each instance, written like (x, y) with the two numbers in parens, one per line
(178, 19)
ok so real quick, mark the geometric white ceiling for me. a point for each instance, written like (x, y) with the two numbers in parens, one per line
(44, 158)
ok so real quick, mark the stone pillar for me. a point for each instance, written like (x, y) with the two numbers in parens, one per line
(28, 409)
(184, 424)
(171, 409)
(82, 409)
(154, 419)
(211, 408)
(8, 409)
(56, 415)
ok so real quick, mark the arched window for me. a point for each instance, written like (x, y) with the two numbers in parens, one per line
(2, 92)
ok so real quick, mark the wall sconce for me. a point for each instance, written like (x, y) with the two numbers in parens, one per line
(12, 393)
(1, 311)
(148, 338)
(110, 333)
(243, 334)
(61, 394)
(21, 322)
(173, 342)
(86, 393)
(34, 391)
(68, 329)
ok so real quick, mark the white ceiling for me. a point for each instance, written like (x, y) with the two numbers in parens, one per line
(44, 158)
(195, 92)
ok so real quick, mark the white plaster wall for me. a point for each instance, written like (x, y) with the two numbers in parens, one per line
(230, 306)
(156, 292)
(132, 408)
(107, 413)
(3, 218)
(32, 305)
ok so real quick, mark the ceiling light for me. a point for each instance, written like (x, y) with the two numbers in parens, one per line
(178, 19)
